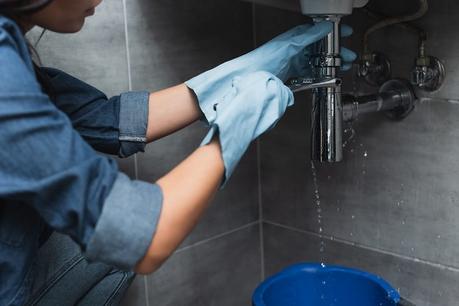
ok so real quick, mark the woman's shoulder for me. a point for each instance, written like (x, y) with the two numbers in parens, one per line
(16, 68)
(10, 34)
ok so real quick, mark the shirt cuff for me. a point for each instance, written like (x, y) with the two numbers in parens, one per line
(127, 223)
(133, 122)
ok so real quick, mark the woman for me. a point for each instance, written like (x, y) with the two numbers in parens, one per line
(53, 180)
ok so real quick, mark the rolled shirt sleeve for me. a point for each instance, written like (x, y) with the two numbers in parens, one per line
(46, 165)
(127, 223)
(133, 122)
(115, 126)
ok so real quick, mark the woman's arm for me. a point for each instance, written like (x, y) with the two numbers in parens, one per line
(189, 187)
(187, 190)
(170, 110)
(98, 120)
(262, 99)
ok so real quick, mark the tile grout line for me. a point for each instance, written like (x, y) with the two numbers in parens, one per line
(260, 213)
(366, 247)
(129, 72)
(136, 172)
(145, 287)
(216, 237)
(128, 53)
(259, 184)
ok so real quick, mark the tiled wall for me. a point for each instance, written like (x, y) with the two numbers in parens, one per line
(144, 44)
(392, 207)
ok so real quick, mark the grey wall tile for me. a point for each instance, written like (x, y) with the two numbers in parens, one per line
(127, 166)
(170, 42)
(96, 55)
(421, 283)
(136, 294)
(221, 272)
(291, 5)
(270, 22)
(395, 190)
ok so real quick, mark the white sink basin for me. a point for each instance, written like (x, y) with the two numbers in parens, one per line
(330, 7)
(292, 5)
(315, 7)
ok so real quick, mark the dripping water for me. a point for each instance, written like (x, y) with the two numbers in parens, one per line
(319, 212)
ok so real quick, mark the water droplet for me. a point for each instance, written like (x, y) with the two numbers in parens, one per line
(318, 209)
(365, 154)
(439, 236)
(322, 265)
(364, 172)
(350, 138)
(324, 282)
(353, 217)
(351, 234)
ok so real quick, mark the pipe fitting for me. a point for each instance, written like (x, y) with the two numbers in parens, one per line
(396, 99)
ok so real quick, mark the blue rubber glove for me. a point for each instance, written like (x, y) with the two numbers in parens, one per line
(284, 57)
(254, 104)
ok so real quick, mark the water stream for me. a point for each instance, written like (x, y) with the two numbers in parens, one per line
(319, 213)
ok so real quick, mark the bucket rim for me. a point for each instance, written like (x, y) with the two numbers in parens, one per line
(257, 298)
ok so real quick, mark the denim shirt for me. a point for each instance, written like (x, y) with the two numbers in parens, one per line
(52, 178)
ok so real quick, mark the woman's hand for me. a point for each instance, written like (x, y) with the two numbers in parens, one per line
(253, 105)
(285, 57)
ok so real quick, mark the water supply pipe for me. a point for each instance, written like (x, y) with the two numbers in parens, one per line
(423, 9)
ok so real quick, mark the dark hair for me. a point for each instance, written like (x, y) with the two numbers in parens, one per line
(20, 7)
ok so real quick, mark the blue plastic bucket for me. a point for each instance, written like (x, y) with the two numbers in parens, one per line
(319, 285)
